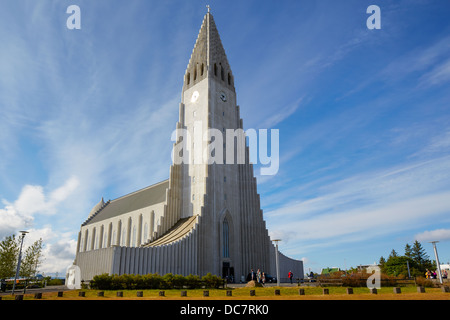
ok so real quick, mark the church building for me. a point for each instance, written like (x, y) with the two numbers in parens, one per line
(206, 217)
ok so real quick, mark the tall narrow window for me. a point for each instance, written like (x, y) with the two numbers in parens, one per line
(123, 236)
(226, 239)
(203, 67)
(133, 243)
(145, 232)
(86, 241)
(215, 69)
(222, 76)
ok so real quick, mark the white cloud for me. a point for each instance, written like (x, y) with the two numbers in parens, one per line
(58, 250)
(434, 235)
(31, 201)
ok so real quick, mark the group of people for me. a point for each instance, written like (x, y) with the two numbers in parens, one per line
(433, 274)
(259, 276)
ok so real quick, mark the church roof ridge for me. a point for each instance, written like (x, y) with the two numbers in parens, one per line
(139, 190)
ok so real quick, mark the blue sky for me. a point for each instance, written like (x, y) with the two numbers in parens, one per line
(363, 116)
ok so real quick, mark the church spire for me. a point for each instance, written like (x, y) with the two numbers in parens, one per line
(208, 58)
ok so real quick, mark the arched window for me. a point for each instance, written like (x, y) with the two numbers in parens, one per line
(133, 243)
(123, 237)
(93, 242)
(86, 239)
(145, 232)
(226, 239)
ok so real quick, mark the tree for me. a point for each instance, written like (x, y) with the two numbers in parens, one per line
(408, 250)
(420, 257)
(9, 251)
(31, 260)
(393, 254)
(398, 266)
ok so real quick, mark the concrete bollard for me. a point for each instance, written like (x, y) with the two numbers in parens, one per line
(139, 293)
(326, 291)
(38, 295)
(18, 297)
(184, 293)
(60, 293)
(277, 292)
(421, 289)
(445, 289)
(100, 294)
(301, 292)
(81, 294)
(252, 292)
(206, 293)
(373, 290)
(397, 290)
(229, 293)
(162, 293)
(349, 290)
(119, 294)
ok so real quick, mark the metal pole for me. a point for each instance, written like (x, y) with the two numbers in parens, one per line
(437, 261)
(18, 262)
(276, 260)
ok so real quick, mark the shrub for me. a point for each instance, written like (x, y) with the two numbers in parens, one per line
(153, 281)
(101, 282)
(179, 281)
(193, 282)
(167, 282)
(422, 282)
(212, 281)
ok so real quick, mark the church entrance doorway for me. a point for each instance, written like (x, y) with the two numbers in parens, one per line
(227, 272)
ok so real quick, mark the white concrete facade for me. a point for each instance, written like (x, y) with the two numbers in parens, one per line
(206, 218)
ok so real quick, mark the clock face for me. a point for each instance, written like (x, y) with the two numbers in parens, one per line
(194, 96)
(223, 96)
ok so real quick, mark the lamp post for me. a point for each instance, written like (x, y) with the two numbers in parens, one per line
(437, 261)
(276, 261)
(19, 260)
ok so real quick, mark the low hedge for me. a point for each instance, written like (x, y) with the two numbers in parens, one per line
(154, 281)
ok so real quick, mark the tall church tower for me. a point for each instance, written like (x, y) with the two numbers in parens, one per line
(216, 186)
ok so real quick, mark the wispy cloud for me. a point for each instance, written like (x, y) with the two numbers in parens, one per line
(367, 205)
(434, 235)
